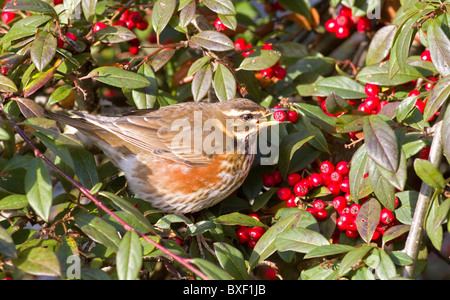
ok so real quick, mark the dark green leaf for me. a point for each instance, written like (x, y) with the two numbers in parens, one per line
(299, 240)
(368, 218)
(162, 58)
(129, 257)
(446, 133)
(223, 7)
(352, 258)
(435, 235)
(441, 214)
(213, 40)
(236, 218)
(145, 98)
(98, 230)
(229, 21)
(385, 269)
(302, 7)
(60, 93)
(429, 173)
(400, 48)
(381, 143)
(38, 187)
(14, 202)
(351, 122)
(394, 232)
(7, 246)
(357, 171)
(288, 146)
(438, 95)
(7, 85)
(378, 74)
(40, 81)
(187, 14)
(43, 49)
(343, 86)
(381, 44)
(231, 260)
(85, 167)
(18, 32)
(30, 5)
(120, 78)
(383, 190)
(201, 83)
(162, 13)
(336, 104)
(408, 200)
(38, 261)
(326, 250)
(197, 65)
(210, 269)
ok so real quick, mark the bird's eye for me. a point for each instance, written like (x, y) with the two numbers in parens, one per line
(246, 117)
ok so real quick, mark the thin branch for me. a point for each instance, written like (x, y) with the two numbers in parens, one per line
(100, 204)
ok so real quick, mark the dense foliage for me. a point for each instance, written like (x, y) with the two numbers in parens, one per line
(363, 165)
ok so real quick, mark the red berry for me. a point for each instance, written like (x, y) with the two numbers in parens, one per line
(267, 73)
(242, 234)
(120, 23)
(239, 44)
(279, 115)
(425, 56)
(311, 211)
(342, 226)
(7, 16)
(267, 46)
(330, 25)
(326, 167)
(142, 25)
(339, 203)
(269, 273)
(336, 177)
(247, 53)
(344, 185)
(342, 32)
(307, 182)
(316, 179)
(59, 42)
(322, 215)
(318, 205)
(371, 89)
(219, 25)
(342, 21)
(277, 177)
(293, 178)
(135, 17)
(353, 234)
(347, 218)
(134, 50)
(420, 105)
(326, 179)
(363, 25)
(291, 202)
(342, 167)
(279, 72)
(71, 36)
(352, 226)
(292, 116)
(414, 93)
(284, 193)
(301, 189)
(268, 180)
(125, 16)
(98, 26)
(130, 24)
(354, 209)
(345, 11)
(386, 216)
(4, 70)
(254, 216)
(334, 189)
(255, 233)
(56, 2)
(376, 235)
(424, 153)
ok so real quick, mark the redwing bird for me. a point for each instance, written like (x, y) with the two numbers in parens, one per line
(181, 158)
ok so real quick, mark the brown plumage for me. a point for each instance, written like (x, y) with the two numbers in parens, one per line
(181, 158)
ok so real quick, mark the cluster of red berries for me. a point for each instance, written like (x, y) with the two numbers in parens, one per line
(372, 104)
(342, 24)
(130, 20)
(281, 115)
(7, 16)
(250, 236)
(276, 70)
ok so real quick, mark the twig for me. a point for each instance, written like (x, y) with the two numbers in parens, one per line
(100, 204)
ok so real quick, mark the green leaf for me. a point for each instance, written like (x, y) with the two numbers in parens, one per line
(187, 14)
(394, 232)
(162, 13)
(18, 32)
(167, 220)
(446, 133)
(41, 79)
(30, 5)
(38, 261)
(328, 250)
(88, 7)
(98, 230)
(352, 258)
(260, 60)
(378, 74)
(385, 269)
(129, 257)
(14, 202)
(231, 260)
(7, 85)
(381, 44)
(197, 65)
(357, 171)
(118, 77)
(400, 48)
(299, 240)
(7, 246)
(229, 21)
(263, 198)
(43, 49)
(210, 269)
(201, 83)
(162, 58)
(288, 146)
(429, 173)
(213, 40)
(351, 122)
(85, 167)
(266, 244)
(441, 214)
(383, 190)
(302, 7)
(115, 34)
(438, 95)
(368, 218)
(38, 188)
(343, 86)
(236, 218)
(381, 143)
(224, 7)
(435, 235)
(439, 44)
(224, 83)
(336, 104)
(408, 200)
(145, 98)
(60, 93)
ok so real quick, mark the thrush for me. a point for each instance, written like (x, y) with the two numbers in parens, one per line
(181, 158)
